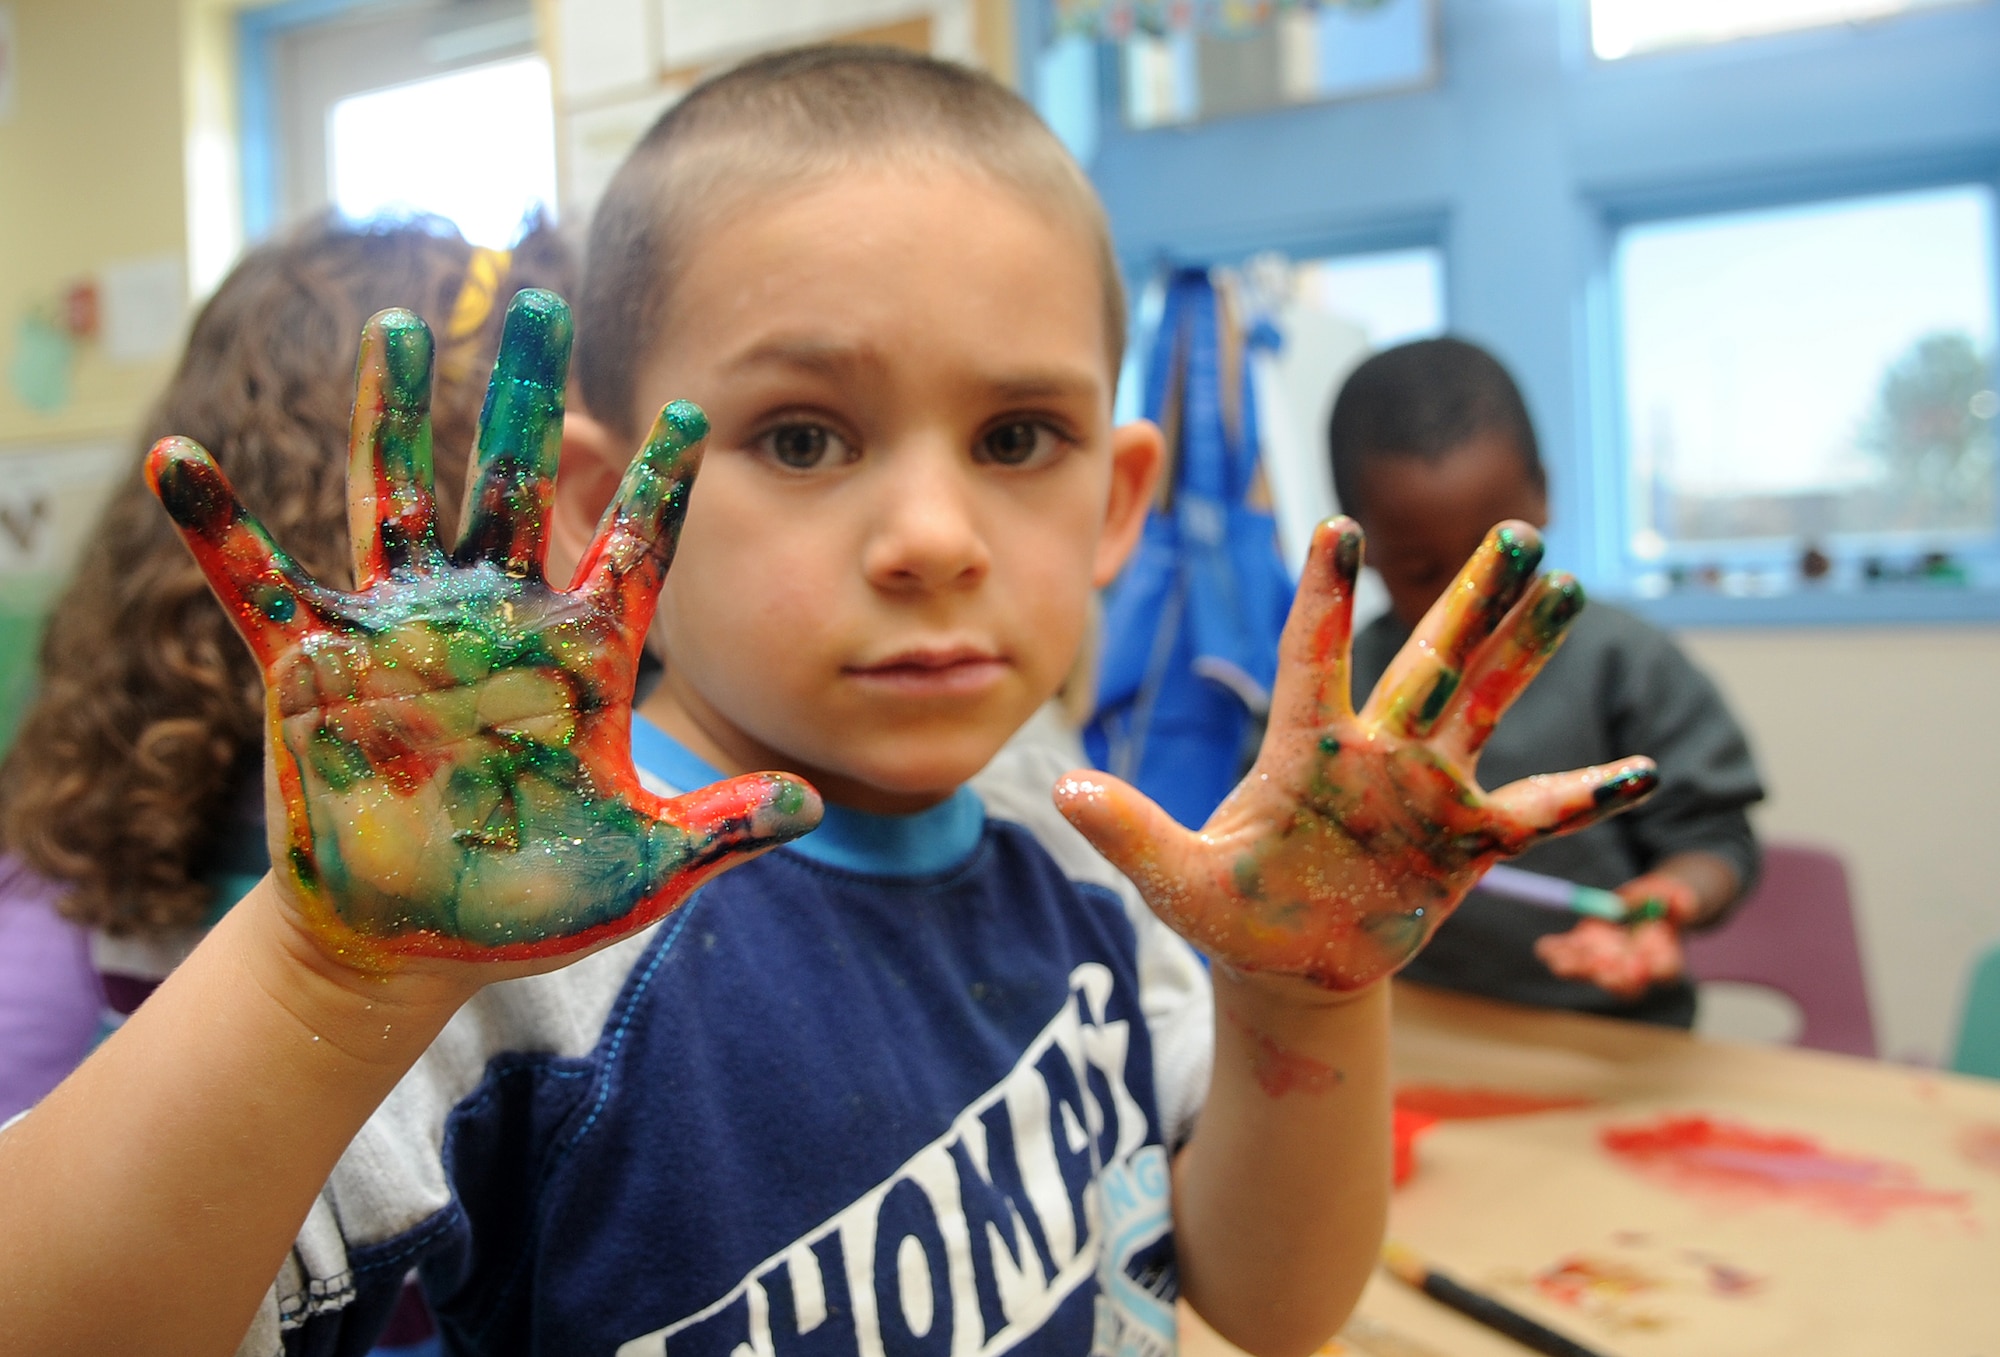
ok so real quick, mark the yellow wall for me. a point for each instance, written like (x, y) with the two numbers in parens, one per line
(1884, 743)
(91, 172)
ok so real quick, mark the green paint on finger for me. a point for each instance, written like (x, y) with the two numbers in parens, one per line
(1441, 691)
(274, 603)
(1633, 782)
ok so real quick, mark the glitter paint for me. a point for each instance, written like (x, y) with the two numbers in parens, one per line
(450, 744)
(1355, 835)
(1733, 1162)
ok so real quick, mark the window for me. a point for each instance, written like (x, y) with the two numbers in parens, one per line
(1333, 313)
(476, 146)
(1816, 377)
(391, 105)
(1623, 28)
(1297, 55)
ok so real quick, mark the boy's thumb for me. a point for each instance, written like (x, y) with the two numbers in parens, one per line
(1133, 833)
(745, 815)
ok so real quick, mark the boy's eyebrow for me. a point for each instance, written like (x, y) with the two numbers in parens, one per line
(834, 360)
(825, 358)
(1057, 383)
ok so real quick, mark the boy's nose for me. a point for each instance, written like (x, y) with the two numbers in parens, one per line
(926, 535)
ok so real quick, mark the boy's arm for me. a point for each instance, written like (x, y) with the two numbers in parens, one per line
(151, 1198)
(452, 802)
(1330, 865)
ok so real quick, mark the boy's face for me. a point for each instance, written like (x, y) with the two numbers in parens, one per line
(1424, 518)
(912, 486)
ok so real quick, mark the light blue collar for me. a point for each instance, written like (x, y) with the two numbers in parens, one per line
(922, 844)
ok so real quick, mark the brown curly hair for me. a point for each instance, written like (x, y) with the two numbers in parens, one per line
(149, 716)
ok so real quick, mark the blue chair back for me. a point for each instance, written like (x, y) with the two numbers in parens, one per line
(1979, 1025)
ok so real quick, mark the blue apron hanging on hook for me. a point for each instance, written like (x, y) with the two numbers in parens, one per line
(1191, 626)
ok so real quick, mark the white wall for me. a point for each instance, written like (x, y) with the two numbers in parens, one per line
(1884, 743)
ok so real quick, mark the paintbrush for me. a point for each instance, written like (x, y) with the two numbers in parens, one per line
(1477, 1306)
(1552, 892)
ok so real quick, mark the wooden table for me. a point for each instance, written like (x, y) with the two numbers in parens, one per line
(1874, 1230)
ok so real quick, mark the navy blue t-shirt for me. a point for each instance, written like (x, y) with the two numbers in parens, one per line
(886, 1091)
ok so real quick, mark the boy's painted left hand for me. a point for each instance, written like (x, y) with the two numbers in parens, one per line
(1354, 835)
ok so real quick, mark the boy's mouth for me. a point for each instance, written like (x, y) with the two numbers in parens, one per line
(943, 671)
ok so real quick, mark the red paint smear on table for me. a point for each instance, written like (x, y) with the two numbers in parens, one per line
(1981, 1145)
(1443, 1102)
(1419, 1107)
(1573, 1280)
(1730, 1159)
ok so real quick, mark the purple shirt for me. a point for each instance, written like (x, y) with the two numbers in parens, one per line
(49, 997)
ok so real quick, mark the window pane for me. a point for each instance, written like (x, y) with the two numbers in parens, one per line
(476, 146)
(1811, 372)
(1623, 28)
(1334, 313)
(1295, 55)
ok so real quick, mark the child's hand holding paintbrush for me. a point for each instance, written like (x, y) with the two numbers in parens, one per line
(1629, 938)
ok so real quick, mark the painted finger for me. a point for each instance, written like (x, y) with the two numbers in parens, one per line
(1427, 671)
(1149, 846)
(273, 602)
(623, 568)
(732, 821)
(1311, 690)
(1551, 804)
(1501, 669)
(513, 482)
(391, 517)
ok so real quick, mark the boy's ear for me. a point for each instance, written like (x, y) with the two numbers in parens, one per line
(593, 462)
(1138, 452)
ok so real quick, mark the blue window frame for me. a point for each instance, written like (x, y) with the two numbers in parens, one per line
(1522, 163)
(1751, 430)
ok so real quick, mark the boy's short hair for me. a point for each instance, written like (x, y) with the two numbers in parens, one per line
(1423, 400)
(782, 120)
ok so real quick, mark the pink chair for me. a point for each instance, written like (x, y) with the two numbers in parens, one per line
(1796, 934)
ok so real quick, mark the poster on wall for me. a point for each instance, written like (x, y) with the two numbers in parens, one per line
(9, 60)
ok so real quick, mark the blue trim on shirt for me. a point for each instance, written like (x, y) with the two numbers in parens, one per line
(923, 844)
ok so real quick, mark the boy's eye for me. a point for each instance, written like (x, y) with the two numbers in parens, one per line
(1018, 443)
(802, 447)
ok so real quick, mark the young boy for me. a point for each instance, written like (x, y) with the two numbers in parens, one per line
(1431, 442)
(923, 1081)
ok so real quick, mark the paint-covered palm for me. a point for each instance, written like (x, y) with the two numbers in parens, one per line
(1354, 835)
(451, 771)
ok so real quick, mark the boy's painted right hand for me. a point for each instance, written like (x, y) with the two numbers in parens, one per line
(450, 756)
(1354, 835)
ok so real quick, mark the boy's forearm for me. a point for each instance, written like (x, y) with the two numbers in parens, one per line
(1281, 1196)
(150, 1199)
